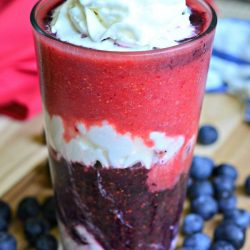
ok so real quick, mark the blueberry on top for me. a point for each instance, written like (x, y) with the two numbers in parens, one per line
(227, 204)
(28, 207)
(247, 185)
(197, 241)
(7, 242)
(207, 135)
(223, 186)
(199, 188)
(222, 245)
(5, 211)
(205, 206)
(193, 223)
(240, 217)
(35, 227)
(49, 211)
(46, 242)
(201, 168)
(227, 170)
(231, 233)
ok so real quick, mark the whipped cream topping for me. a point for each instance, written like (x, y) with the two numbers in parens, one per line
(118, 25)
(112, 149)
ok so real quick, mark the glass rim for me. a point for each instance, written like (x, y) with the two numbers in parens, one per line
(177, 47)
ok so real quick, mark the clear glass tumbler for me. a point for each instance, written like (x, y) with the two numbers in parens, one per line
(121, 129)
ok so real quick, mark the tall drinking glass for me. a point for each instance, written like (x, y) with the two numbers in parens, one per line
(121, 129)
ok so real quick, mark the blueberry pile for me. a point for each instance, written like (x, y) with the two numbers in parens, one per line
(37, 220)
(7, 241)
(211, 190)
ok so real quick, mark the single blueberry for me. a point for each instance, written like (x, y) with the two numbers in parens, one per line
(227, 170)
(240, 217)
(205, 206)
(222, 245)
(207, 135)
(34, 228)
(193, 223)
(3, 224)
(5, 211)
(198, 241)
(49, 211)
(199, 188)
(7, 241)
(247, 185)
(223, 186)
(227, 204)
(201, 168)
(46, 242)
(231, 233)
(29, 207)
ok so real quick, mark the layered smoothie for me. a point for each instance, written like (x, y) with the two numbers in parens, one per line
(121, 120)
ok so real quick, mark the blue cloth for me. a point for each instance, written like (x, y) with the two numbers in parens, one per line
(230, 63)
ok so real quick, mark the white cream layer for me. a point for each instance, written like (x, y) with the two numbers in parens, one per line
(133, 25)
(111, 148)
(70, 244)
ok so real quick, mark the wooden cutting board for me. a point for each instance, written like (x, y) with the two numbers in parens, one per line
(21, 149)
(23, 171)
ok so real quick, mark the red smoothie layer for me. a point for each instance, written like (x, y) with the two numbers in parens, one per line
(136, 92)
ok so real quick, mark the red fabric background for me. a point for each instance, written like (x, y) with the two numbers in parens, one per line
(19, 89)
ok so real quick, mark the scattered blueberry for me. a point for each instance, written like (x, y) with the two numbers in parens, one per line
(227, 204)
(223, 186)
(29, 207)
(205, 206)
(207, 135)
(3, 224)
(222, 245)
(7, 242)
(199, 188)
(46, 242)
(5, 211)
(35, 227)
(226, 169)
(193, 223)
(231, 233)
(240, 217)
(201, 168)
(49, 211)
(247, 185)
(185, 248)
(197, 241)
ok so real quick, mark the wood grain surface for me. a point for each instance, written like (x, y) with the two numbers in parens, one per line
(22, 151)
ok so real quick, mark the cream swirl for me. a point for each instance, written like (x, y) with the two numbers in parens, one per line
(122, 25)
(112, 149)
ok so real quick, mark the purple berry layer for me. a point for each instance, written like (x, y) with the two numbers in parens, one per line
(115, 206)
